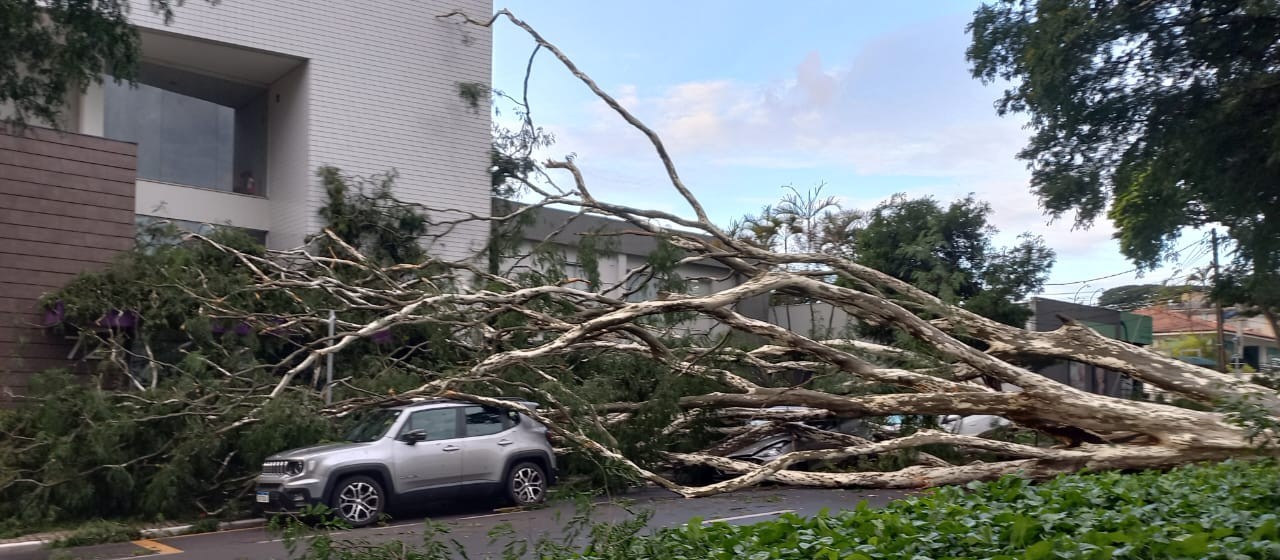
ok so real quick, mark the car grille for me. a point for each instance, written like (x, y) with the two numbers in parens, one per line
(275, 467)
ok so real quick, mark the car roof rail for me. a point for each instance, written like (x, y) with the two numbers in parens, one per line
(414, 401)
(526, 402)
(394, 402)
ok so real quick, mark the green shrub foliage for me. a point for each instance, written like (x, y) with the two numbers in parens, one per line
(1223, 511)
(75, 451)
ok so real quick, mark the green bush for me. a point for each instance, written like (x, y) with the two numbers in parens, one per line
(1225, 511)
(74, 452)
(1220, 511)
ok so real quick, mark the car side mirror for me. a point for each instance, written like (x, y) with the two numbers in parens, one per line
(414, 436)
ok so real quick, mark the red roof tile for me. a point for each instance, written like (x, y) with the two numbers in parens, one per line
(1164, 320)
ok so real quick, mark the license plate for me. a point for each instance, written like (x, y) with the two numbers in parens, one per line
(264, 497)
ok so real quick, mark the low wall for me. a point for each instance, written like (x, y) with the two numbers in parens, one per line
(66, 206)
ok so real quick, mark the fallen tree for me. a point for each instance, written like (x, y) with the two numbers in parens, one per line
(554, 321)
(510, 333)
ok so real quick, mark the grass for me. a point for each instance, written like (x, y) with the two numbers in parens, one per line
(97, 532)
(104, 531)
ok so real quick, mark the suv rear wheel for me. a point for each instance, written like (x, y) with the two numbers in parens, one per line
(358, 500)
(526, 484)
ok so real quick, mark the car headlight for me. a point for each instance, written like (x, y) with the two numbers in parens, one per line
(293, 468)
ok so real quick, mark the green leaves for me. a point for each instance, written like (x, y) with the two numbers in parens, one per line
(1160, 115)
(1219, 511)
(365, 214)
(1038, 551)
(51, 49)
(948, 251)
(76, 452)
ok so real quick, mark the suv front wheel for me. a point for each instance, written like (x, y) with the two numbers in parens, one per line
(526, 484)
(358, 500)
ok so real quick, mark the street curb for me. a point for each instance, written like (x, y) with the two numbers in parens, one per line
(24, 545)
(151, 533)
(182, 529)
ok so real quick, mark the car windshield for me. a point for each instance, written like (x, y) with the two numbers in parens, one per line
(371, 425)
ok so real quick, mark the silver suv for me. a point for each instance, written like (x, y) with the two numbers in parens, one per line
(428, 450)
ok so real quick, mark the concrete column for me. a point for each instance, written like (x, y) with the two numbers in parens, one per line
(91, 111)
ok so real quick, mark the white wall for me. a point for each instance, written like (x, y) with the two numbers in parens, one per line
(819, 320)
(382, 92)
(89, 110)
(289, 173)
(207, 206)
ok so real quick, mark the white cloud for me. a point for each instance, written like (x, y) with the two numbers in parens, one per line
(897, 108)
(903, 107)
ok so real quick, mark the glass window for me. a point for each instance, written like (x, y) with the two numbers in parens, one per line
(371, 425)
(150, 229)
(483, 421)
(192, 129)
(438, 423)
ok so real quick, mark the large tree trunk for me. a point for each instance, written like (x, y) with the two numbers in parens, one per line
(1094, 431)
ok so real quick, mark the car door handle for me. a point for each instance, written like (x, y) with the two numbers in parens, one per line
(505, 442)
(450, 448)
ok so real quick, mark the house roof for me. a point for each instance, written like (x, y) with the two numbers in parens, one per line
(1165, 321)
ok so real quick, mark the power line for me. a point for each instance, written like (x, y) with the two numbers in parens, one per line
(1201, 242)
(1130, 271)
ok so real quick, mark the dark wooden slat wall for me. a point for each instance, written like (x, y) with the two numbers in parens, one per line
(66, 206)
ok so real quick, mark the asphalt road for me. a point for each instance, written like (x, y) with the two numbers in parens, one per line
(470, 522)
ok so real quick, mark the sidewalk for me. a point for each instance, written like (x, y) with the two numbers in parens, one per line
(164, 529)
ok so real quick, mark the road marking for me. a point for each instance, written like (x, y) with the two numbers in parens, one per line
(737, 517)
(207, 533)
(336, 533)
(490, 515)
(403, 525)
(333, 534)
(157, 547)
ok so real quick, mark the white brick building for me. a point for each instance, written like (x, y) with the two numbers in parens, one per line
(240, 102)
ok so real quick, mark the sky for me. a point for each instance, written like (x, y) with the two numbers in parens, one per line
(868, 99)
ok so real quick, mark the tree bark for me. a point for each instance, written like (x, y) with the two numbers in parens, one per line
(557, 321)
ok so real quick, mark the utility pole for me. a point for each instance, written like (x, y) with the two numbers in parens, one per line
(1217, 305)
(328, 370)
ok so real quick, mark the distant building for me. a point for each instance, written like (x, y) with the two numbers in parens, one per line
(1188, 330)
(1135, 329)
(621, 255)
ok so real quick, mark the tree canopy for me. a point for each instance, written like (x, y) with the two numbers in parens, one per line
(1135, 296)
(946, 251)
(1162, 115)
(51, 48)
(950, 252)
